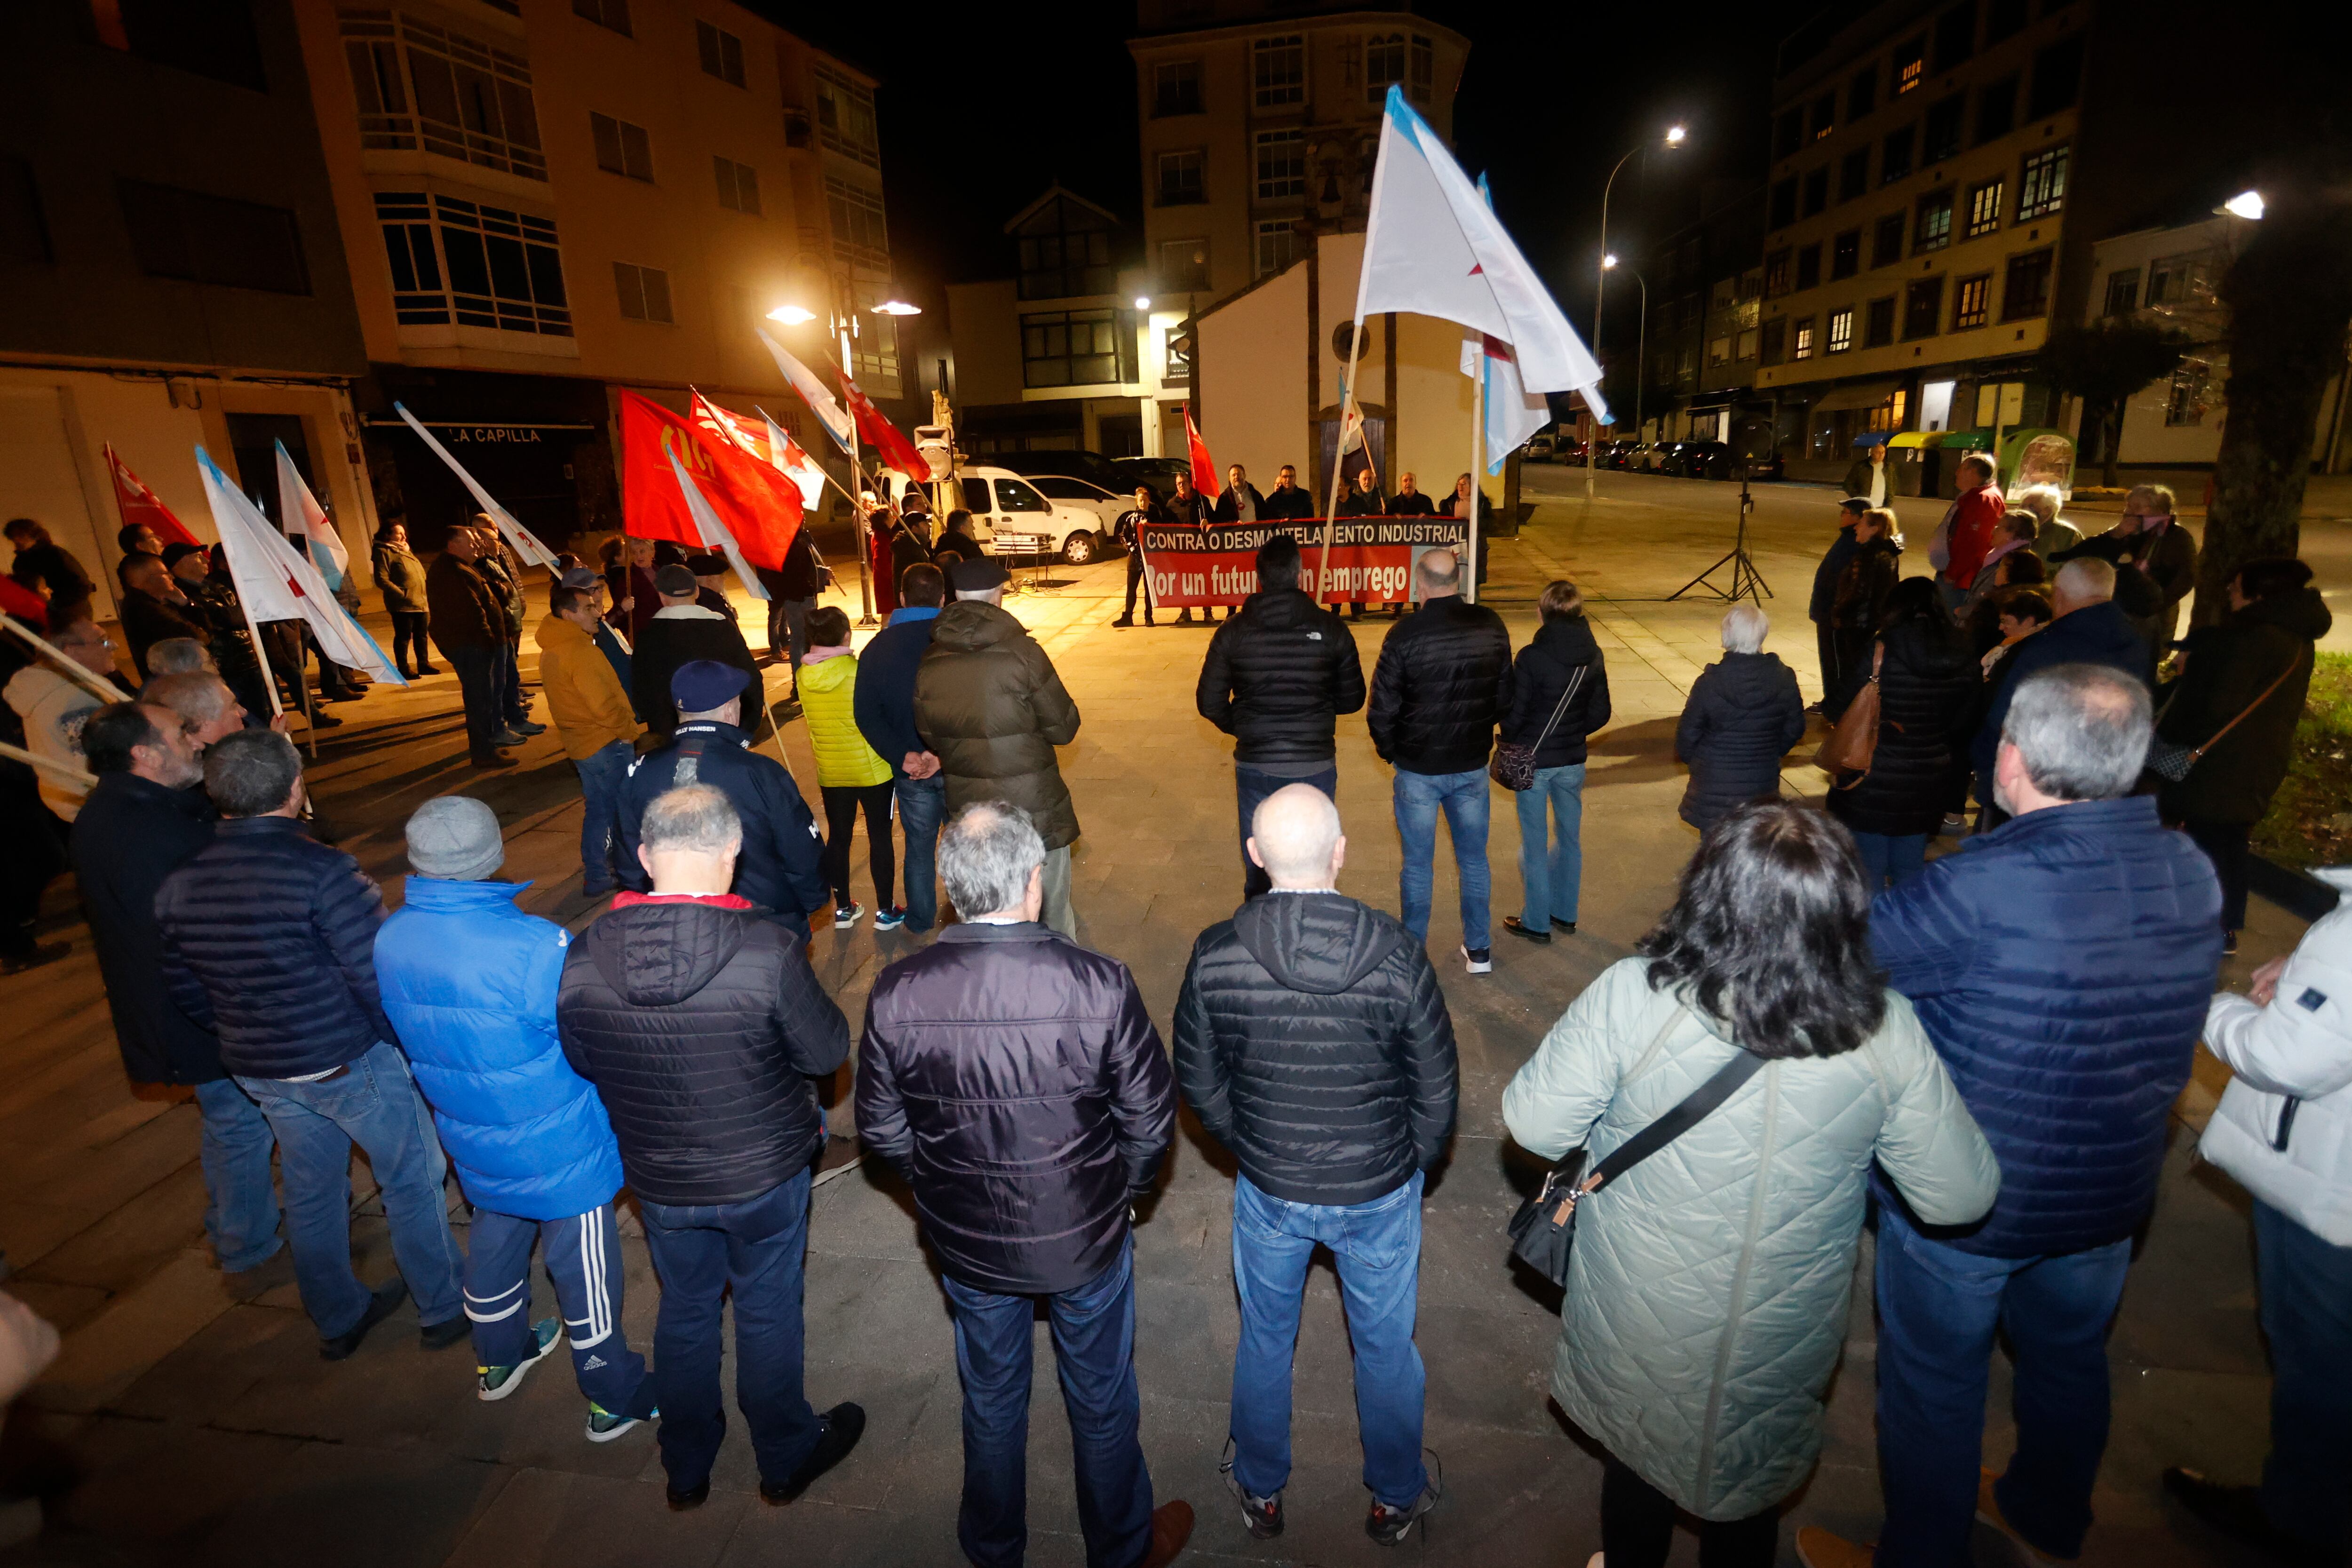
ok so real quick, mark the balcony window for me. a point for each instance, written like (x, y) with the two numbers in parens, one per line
(1278, 71)
(861, 235)
(844, 117)
(1078, 348)
(423, 88)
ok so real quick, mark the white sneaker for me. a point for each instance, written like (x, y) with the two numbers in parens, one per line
(1480, 959)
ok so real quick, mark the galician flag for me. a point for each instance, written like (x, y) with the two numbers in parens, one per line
(139, 504)
(794, 462)
(304, 515)
(714, 532)
(526, 543)
(1432, 247)
(829, 414)
(1513, 412)
(277, 582)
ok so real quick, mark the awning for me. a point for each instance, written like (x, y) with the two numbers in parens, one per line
(1708, 402)
(1862, 394)
(1912, 438)
(1966, 441)
(1871, 439)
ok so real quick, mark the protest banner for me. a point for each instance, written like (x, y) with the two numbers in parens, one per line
(1370, 560)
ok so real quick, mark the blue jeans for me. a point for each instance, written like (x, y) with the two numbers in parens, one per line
(1094, 1352)
(240, 1197)
(601, 775)
(1551, 852)
(374, 1104)
(922, 803)
(1939, 1309)
(757, 1249)
(1377, 1245)
(1890, 860)
(583, 1254)
(1463, 798)
(1250, 789)
(2306, 1315)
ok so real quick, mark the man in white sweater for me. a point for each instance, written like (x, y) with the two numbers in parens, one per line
(2283, 1131)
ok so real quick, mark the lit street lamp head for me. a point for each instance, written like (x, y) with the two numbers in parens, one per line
(1607, 263)
(897, 308)
(1674, 135)
(791, 315)
(1142, 302)
(2244, 204)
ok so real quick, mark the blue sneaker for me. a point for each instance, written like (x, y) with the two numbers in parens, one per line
(497, 1382)
(603, 1425)
(890, 917)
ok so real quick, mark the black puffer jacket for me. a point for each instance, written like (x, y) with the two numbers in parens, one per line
(2228, 667)
(1930, 696)
(1742, 717)
(1278, 677)
(1561, 647)
(269, 941)
(1443, 680)
(1015, 1079)
(130, 834)
(700, 1025)
(1313, 1041)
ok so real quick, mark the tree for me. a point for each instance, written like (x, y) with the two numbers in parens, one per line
(2103, 364)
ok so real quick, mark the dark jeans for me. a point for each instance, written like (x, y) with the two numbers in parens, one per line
(1939, 1310)
(1825, 645)
(1637, 1526)
(407, 639)
(512, 702)
(35, 856)
(1889, 860)
(1094, 1352)
(922, 803)
(788, 633)
(477, 684)
(2224, 843)
(841, 806)
(601, 778)
(1136, 574)
(754, 1248)
(583, 1255)
(2306, 1315)
(1250, 789)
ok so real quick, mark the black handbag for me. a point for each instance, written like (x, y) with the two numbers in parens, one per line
(1545, 1225)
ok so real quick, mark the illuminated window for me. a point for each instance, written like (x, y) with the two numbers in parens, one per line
(1910, 65)
(1984, 207)
(2042, 189)
(1841, 330)
(1823, 118)
(1933, 229)
(2190, 397)
(1804, 335)
(1971, 302)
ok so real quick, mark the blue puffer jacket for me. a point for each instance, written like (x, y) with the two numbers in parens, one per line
(270, 942)
(2095, 634)
(2062, 964)
(470, 981)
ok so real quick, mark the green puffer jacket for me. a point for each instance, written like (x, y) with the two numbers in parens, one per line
(988, 701)
(1705, 1308)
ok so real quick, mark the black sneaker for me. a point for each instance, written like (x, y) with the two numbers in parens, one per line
(1478, 960)
(442, 1335)
(2237, 1513)
(1390, 1526)
(1124, 621)
(1516, 928)
(1262, 1515)
(692, 1496)
(382, 1304)
(843, 1424)
(1560, 924)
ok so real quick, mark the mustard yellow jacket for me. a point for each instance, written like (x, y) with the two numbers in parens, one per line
(590, 707)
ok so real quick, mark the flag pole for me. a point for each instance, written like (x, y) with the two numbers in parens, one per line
(1478, 462)
(865, 535)
(1339, 451)
(95, 684)
(65, 770)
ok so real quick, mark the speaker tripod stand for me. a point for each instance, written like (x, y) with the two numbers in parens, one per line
(1746, 583)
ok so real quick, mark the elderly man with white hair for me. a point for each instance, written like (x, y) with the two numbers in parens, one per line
(2089, 627)
(1742, 716)
(1313, 1041)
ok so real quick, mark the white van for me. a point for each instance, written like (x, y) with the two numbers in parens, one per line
(1010, 517)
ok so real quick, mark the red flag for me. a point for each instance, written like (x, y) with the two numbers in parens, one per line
(1205, 468)
(877, 432)
(758, 505)
(139, 504)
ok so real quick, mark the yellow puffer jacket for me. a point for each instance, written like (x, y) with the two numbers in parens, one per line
(843, 760)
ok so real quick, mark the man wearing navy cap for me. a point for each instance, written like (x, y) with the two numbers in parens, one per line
(780, 867)
(710, 582)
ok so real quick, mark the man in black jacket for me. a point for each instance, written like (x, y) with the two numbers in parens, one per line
(1278, 677)
(1239, 500)
(468, 620)
(153, 608)
(781, 867)
(1313, 1041)
(1147, 513)
(1191, 509)
(680, 632)
(1363, 498)
(1443, 679)
(1824, 597)
(269, 941)
(146, 817)
(701, 1025)
(1015, 1080)
(884, 707)
(1286, 501)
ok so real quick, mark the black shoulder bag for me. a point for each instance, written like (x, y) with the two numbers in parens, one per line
(1546, 1223)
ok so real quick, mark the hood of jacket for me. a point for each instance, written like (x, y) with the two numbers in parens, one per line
(2302, 613)
(830, 675)
(1323, 943)
(970, 626)
(1567, 640)
(659, 954)
(1749, 674)
(442, 897)
(555, 632)
(1913, 646)
(687, 613)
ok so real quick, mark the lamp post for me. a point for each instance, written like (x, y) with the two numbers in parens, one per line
(1673, 138)
(1641, 341)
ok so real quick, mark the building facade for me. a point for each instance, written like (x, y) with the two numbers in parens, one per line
(1701, 342)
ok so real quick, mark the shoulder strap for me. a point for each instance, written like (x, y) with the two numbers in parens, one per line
(1568, 695)
(1694, 1109)
(2292, 666)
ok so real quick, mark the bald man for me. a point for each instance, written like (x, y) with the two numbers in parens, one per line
(1312, 1040)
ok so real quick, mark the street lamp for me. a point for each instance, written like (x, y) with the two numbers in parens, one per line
(792, 315)
(1143, 301)
(1675, 137)
(2245, 204)
(897, 308)
(1642, 336)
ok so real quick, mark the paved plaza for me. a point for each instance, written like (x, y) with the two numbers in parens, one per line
(204, 1428)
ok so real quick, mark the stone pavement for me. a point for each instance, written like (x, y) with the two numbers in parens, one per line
(206, 1430)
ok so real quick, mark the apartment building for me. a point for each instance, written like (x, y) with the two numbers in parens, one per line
(1700, 346)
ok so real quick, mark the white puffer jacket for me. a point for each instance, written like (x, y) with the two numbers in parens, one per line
(2296, 1053)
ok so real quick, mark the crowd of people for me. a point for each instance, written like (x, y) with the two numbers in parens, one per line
(1983, 1050)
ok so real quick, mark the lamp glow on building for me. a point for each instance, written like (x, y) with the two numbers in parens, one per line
(897, 308)
(792, 315)
(2245, 204)
(1143, 301)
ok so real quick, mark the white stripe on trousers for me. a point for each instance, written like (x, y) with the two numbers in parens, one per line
(599, 1321)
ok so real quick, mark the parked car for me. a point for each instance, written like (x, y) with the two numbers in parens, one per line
(1012, 516)
(1108, 505)
(1160, 473)
(1070, 462)
(1699, 460)
(1647, 458)
(1617, 454)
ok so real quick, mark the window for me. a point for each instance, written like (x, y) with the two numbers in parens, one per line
(1895, 162)
(861, 236)
(739, 186)
(1065, 249)
(2004, 19)
(1180, 179)
(1808, 265)
(613, 14)
(1078, 348)
(1278, 70)
(1719, 351)
(1775, 347)
(1878, 323)
(2122, 292)
(1277, 247)
(2191, 395)
(1910, 65)
(1823, 118)
(1886, 241)
(621, 148)
(24, 229)
(1923, 307)
(1984, 207)
(2057, 74)
(1841, 330)
(722, 53)
(1776, 273)
(844, 116)
(1803, 335)
(1383, 64)
(425, 87)
(2025, 292)
(1861, 94)
(2183, 279)
(1784, 202)
(1788, 133)
(1971, 302)
(1014, 495)
(1956, 35)
(1845, 254)
(1817, 190)
(1996, 111)
(1747, 348)
(2042, 189)
(1933, 231)
(1175, 88)
(1185, 266)
(201, 238)
(1281, 165)
(478, 266)
(1942, 138)
(643, 291)
(1853, 174)
(1425, 70)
